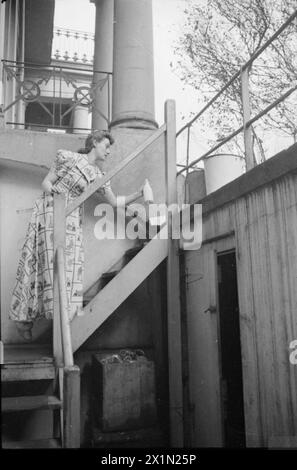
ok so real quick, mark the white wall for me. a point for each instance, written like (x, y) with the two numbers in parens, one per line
(19, 186)
(21, 154)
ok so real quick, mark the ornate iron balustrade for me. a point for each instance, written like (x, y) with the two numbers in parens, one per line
(42, 97)
(73, 46)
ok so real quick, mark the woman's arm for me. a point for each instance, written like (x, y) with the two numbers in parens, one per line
(49, 180)
(121, 201)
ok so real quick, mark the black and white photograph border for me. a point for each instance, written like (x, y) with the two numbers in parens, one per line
(118, 337)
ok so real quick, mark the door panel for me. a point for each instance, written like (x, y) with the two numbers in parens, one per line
(204, 343)
(203, 348)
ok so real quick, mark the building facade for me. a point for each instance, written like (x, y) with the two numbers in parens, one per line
(218, 323)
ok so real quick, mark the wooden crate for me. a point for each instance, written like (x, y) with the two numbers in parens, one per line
(123, 394)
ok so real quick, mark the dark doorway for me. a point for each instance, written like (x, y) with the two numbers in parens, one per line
(231, 364)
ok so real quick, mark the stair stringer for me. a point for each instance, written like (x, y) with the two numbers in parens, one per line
(119, 288)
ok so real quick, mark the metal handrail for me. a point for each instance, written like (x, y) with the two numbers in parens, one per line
(74, 31)
(240, 129)
(232, 79)
(45, 85)
(49, 66)
(48, 126)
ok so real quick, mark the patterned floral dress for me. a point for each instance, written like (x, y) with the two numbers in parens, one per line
(32, 296)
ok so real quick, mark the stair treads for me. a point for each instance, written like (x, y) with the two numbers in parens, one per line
(106, 277)
(151, 435)
(119, 288)
(27, 353)
(133, 251)
(38, 402)
(37, 444)
(22, 372)
(109, 274)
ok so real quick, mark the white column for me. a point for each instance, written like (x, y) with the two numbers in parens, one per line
(21, 106)
(103, 57)
(2, 22)
(80, 120)
(2, 40)
(133, 65)
(9, 52)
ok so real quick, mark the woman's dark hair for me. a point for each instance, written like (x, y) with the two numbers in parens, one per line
(93, 138)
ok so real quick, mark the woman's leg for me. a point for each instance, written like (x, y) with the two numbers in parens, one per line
(24, 329)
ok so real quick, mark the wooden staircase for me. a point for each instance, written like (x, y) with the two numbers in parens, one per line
(32, 362)
(100, 301)
(29, 363)
(107, 276)
(31, 367)
(121, 284)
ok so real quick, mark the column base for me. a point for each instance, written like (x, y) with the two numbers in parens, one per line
(81, 120)
(134, 123)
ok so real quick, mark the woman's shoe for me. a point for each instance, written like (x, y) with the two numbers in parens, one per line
(25, 329)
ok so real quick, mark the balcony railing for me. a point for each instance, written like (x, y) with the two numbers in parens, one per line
(42, 97)
(73, 46)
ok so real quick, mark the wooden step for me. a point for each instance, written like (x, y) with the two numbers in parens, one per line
(36, 444)
(144, 437)
(106, 277)
(119, 288)
(27, 362)
(27, 353)
(91, 292)
(98, 285)
(38, 402)
(24, 372)
(133, 252)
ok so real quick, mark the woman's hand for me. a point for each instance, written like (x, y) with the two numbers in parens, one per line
(141, 189)
(49, 187)
(48, 182)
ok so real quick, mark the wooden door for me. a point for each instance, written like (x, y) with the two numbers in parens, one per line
(205, 386)
(204, 373)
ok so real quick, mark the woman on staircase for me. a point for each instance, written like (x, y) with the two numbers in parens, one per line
(71, 173)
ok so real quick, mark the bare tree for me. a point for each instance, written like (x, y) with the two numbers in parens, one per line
(218, 38)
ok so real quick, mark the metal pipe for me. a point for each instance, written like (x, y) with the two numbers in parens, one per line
(251, 121)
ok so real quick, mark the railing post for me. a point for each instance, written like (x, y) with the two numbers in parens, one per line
(173, 288)
(247, 130)
(109, 85)
(59, 241)
(64, 311)
(71, 407)
(188, 149)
